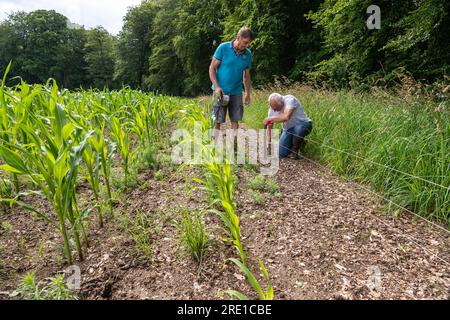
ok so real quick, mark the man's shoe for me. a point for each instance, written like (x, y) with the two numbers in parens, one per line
(296, 142)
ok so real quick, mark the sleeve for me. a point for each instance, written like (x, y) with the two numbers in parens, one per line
(219, 52)
(272, 113)
(290, 103)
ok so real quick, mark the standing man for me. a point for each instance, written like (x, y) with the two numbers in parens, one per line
(296, 123)
(231, 63)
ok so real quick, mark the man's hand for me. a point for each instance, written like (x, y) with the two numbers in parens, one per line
(248, 100)
(267, 122)
(218, 92)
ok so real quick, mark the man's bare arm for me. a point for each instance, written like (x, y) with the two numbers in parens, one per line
(247, 86)
(213, 75)
(285, 116)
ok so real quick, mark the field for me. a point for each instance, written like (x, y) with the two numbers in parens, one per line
(93, 207)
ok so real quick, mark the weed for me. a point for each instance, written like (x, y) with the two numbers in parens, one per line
(193, 234)
(257, 183)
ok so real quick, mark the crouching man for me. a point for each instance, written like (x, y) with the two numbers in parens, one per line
(296, 123)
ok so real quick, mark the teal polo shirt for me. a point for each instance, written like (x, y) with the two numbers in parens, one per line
(231, 69)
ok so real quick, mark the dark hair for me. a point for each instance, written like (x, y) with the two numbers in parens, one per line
(246, 33)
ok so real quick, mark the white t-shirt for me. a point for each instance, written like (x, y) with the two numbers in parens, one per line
(299, 115)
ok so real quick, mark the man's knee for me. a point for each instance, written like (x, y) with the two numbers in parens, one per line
(302, 130)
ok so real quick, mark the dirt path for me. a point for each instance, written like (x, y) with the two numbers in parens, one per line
(324, 239)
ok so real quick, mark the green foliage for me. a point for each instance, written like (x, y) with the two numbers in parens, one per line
(281, 46)
(149, 157)
(391, 144)
(50, 136)
(272, 186)
(165, 68)
(122, 137)
(256, 197)
(56, 289)
(42, 46)
(6, 188)
(411, 39)
(166, 46)
(140, 227)
(267, 295)
(199, 28)
(193, 234)
(159, 176)
(258, 183)
(99, 57)
(7, 226)
(218, 183)
(133, 44)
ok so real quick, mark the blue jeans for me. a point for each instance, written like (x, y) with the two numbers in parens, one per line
(300, 130)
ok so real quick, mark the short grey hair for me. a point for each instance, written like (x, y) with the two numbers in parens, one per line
(276, 96)
(247, 33)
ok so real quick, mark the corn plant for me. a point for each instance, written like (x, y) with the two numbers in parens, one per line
(99, 143)
(4, 107)
(92, 161)
(6, 191)
(254, 283)
(218, 183)
(141, 126)
(54, 172)
(122, 138)
(258, 183)
(51, 161)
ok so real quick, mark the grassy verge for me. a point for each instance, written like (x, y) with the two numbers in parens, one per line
(401, 147)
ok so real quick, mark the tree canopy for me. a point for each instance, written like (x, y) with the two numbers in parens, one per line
(167, 45)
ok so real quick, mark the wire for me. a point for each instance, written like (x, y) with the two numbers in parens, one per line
(373, 162)
(378, 219)
(388, 200)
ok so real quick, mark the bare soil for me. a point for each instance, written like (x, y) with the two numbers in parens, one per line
(322, 238)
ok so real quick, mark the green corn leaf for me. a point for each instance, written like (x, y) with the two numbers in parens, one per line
(269, 293)
(25, 206)
(237, 295)
(8, 168)
(250, 277)
(13, 160)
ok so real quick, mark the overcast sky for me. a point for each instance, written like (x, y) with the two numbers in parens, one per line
(90, 13)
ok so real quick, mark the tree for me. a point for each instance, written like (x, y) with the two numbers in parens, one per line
(285, 44)
(45, 31)
(166, 71)
(41, 46)
(133, 45)
(71, 64)
(412, 39)
(99, 57)
(199, 32)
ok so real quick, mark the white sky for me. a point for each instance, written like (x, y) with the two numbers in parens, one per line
(90, 13)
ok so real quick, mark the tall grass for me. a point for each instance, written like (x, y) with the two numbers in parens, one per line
(193, 234)
(401, 148)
